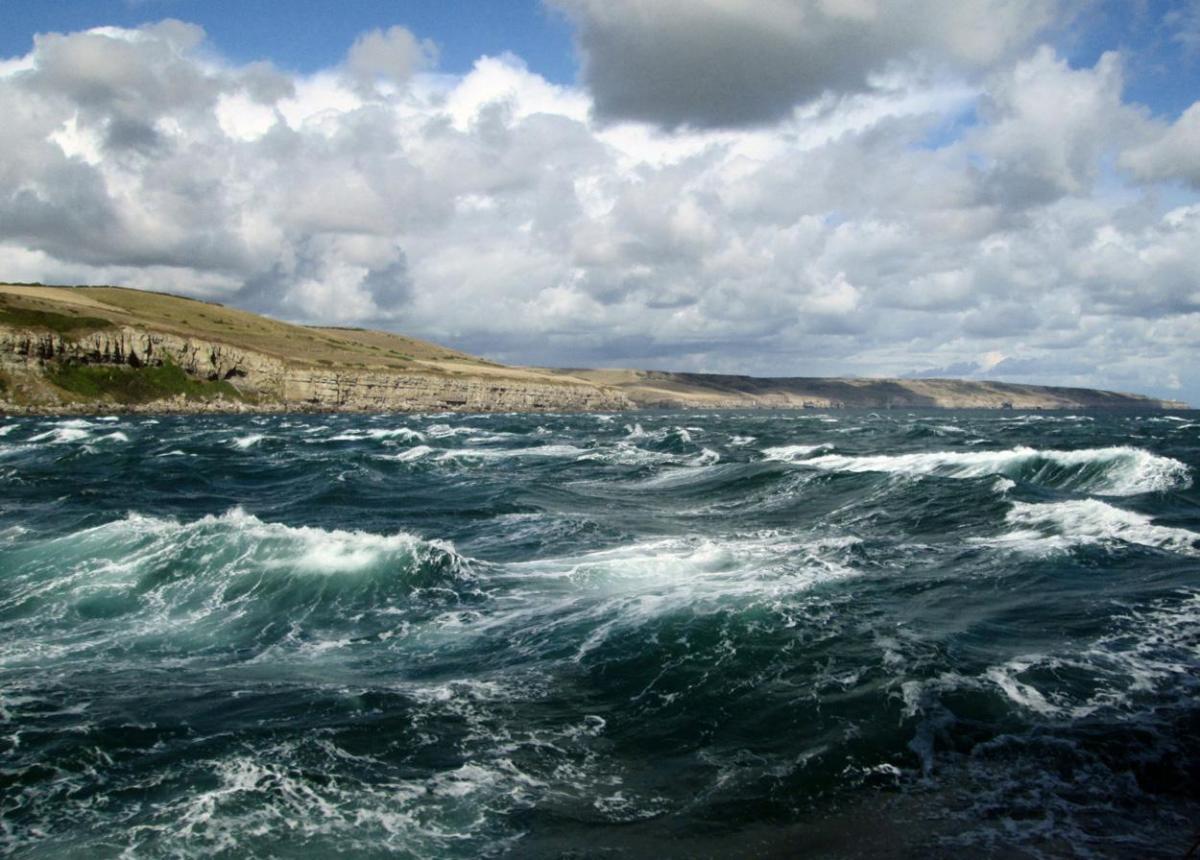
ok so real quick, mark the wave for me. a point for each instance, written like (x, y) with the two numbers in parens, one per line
(62, 435)
(1142, 652)
(792, 453)
(379, 433)
(223, 582)
(77, 430)
(1117, 471)
(625, 454)
(551, 451)
(409, 455)
(601, 601)
(622, 453)
(689, 570)
(1057, 526)
(443, 431)
(673, 440)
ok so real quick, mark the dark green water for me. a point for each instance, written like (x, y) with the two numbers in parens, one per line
(727, 634)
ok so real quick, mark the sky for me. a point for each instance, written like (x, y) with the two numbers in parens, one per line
(1000, 189)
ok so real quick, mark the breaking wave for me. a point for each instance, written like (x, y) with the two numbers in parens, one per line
(1116, 471)
(1089, 522)
(229, 582)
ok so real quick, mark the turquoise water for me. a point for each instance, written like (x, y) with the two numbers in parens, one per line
(723, 634)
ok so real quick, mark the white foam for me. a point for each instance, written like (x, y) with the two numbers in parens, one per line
(680, 474)
(244, 442)
(551, 451)
(274, 545)
(1143, 651)
(62, 435)
(614, 590)
(442, 431)
(1057, 526)
(12, 533)
(626, 454)
(683, 434)
(1025, 695)
(791, 453)
(414, 453)
(379, 433)
(1124, 470)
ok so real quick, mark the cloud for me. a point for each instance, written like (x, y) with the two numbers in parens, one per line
(1047, 126)
(1173, 154)
(494, 212)
(722, 63)
(393, 55)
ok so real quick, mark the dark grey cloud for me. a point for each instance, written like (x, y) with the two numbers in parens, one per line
(722, 63)
(390, 285)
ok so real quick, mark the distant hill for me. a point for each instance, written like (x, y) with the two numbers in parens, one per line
(74, 349)
(650, 389)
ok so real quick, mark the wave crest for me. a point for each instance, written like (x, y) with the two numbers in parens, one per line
(1044, 528)
(222, 582)
(1117, 471)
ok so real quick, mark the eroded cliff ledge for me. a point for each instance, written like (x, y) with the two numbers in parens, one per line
(30, 357)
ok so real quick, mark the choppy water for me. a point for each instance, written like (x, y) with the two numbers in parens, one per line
(959, 634)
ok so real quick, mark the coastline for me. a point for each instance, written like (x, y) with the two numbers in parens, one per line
(77, 350)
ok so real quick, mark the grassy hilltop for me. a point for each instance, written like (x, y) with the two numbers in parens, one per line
(77, 309)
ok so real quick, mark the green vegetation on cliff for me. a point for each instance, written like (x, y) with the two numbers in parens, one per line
(136, 384)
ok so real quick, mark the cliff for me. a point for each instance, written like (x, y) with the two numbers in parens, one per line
(259, 381)
(80, 349)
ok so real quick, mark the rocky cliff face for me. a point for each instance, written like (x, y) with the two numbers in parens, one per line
(275, 384)
(416, 392)
(123, 345)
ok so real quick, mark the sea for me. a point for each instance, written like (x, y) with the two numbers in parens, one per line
(655, 634)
